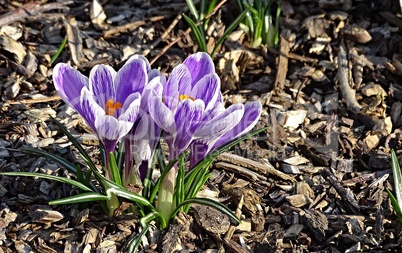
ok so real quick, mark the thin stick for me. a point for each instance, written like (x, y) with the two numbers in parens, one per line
(34, 101)
(217, 7)
(163, 36)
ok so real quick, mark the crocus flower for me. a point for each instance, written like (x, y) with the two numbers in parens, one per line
(191, 105)
(191, 111)
(202, 146)
(141, 141)
(109, 101)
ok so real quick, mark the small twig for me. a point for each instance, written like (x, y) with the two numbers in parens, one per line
(217, 7)
(163, 36)
(342, 191)
(130, 26)
(33, 101)
(347, 92)
(27, 10)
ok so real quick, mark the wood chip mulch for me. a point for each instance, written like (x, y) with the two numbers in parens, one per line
(313, 182)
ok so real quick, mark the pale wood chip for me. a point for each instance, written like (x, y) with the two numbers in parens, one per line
(265, 168)
(74, 40)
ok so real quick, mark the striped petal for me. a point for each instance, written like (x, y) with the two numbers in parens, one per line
(101, 84)
(69, 82)
(131, 78)
(199, 65)
(252, 112)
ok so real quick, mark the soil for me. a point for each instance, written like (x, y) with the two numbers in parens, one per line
(315, 181)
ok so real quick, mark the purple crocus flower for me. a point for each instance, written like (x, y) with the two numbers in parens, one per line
(191, 113)
(202, 146)
(109, 101)
(191, 105)
(141, 141)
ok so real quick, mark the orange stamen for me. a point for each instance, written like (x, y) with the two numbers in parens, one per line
(112, 106)
(182, 97)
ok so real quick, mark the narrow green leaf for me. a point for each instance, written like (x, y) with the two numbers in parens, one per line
(212, 203)
(395, 204)
(228, 31)
(123, 193)
(76, 144)
(277, 20)
(197, 34)
(193, 9)
(51, 177)
(168, 167)
(136, 242)
(180, 193)
(63, 162)
(62, 45)
(396, 172)
(144, 221)
(114, 170)
(79, 198)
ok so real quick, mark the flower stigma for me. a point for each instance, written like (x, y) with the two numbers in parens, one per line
(111, 107)
(183, 96)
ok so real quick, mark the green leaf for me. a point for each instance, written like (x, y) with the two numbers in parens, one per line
(198, 34)
(63, 162)
(193, 9)
(212, 203)
(51, 177)
(62, 45)
(395, 204)
(396, 172)
(168, 167)
(180, 193)
(114, 170)
(76, 144)
(135, 243)
(228, 31)
(123, 193)
(79, 198)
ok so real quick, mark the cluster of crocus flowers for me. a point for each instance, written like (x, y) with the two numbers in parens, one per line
(138, 105)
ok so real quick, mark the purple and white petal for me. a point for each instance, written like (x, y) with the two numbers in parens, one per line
(132, 100)
(131, 78)
(160, 113)
(252, 112)
(198, 150)
(131, 114)
(108, 130)
(142, 58)
(101, 84)
(178, 83)
(69, 82)
(90, 109)
(187, 118)
(199, 65)
(207, 89)
(222, 123)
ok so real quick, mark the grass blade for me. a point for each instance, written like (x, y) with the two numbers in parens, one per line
(79, 198)
(197, 33)
(395, 204)
(51, 177)
(62, 45)
(396, 172)
(228, 31)
(193, 9)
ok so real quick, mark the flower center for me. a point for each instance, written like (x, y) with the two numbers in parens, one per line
(111, 107)
(183, 96)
